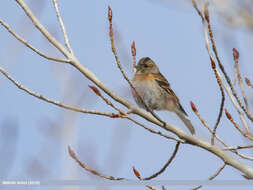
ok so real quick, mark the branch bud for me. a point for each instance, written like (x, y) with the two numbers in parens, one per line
(109, 14)
(95, 90)
(133, 49)
(228, 115)
(247, 81)
(213, 63)
(193, 107)
(136, 173)
(235, 54)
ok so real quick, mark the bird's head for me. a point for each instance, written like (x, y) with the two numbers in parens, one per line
(146, 66)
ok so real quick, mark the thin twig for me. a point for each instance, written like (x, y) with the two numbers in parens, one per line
(195, 110)
(239, 78)
(44, 31)
(166, 165)
(218, 74)
(245, 134)
(238, 147)
(213, 176)
(213, 67)
(55, 2)
(39, 96)
(83, 165)
(19, 38)
(222, 99)
(123, 114)
(155, 131)
(206, 13)
(216, 136)
(111, 115)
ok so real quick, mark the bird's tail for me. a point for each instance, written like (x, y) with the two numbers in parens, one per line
(186, 121)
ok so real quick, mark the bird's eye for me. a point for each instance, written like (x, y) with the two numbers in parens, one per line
(145, 65)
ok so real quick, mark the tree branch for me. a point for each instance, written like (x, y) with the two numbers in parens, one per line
(7, 27)
(166, 165)
(228, 159)
(55, 2)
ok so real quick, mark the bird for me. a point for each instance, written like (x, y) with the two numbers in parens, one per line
(151, 88)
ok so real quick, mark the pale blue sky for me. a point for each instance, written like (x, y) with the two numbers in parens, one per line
(169, 34)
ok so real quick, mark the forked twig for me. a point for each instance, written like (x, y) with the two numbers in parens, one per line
(19, 38)
(206, 13)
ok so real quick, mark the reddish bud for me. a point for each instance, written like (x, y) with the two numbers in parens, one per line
(133, 49)
(235, 54)
(136, 173)
(113, 115)
(95, 90)
(213, 63)
(71, 153)
(228, 114)
(109, 14)
(247, 81)
(193, 107)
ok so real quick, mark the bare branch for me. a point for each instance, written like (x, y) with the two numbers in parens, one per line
(195, 110)
(213, 67)
(239, 78)
(83, 165)
(123, 114)
(227, 158)
(42, 29)
(245, 134)
(207, 17)
(19, 38)
(230, 94)
(155, 131)
(166, 165)
(238, 147)
(39, 96)
(213, 176)
(222, 99)
(55, 2)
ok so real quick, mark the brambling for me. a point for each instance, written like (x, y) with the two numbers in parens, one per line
(155, 91)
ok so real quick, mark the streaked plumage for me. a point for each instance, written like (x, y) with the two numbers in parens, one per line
(156, 92)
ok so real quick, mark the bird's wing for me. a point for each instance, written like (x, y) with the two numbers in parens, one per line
(164, 84)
